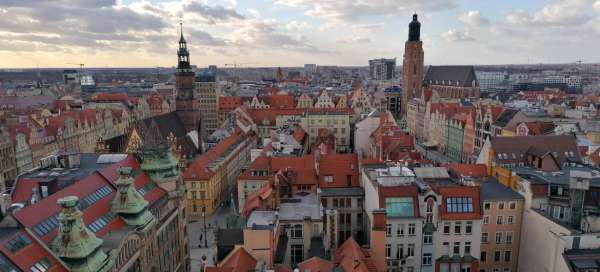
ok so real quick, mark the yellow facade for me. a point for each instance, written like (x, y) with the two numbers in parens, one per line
(504, 175)
(205, 194)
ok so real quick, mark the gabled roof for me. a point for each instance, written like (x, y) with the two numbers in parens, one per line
(352, 257)
(239, 260)
(511, 149)
(316, 264)
(464, 74)
(199, 169)
(505, 117)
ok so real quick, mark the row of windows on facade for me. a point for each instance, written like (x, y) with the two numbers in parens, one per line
(508, 237)
(497, 256)
(508, 220)
(342, 202)
(329, 121)
(506, 269)
(335, 130)
(488, 205)
(195, 195)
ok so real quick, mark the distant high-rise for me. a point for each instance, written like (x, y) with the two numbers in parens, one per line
(207, 91)
(382, 69)
(412, 66)
(185, 103)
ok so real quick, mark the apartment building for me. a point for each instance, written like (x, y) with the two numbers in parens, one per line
(429, 226)
(212, 177)
(335, 121)
(501, 230)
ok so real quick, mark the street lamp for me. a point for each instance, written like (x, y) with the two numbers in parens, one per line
(204, 219)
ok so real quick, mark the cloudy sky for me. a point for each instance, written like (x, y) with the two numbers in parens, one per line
(143, 33)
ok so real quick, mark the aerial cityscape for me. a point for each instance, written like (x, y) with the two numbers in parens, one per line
(217, 136)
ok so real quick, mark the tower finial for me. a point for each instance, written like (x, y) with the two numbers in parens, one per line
(181, 26)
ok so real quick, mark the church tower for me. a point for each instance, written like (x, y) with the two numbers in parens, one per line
(412, 66)
(185, 104)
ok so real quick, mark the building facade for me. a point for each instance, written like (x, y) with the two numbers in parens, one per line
(382, 69)
(206, 93)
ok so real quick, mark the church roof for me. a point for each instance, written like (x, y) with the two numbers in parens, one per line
(450, 74)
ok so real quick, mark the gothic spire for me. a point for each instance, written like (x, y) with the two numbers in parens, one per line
(183, 55)
(181, 39)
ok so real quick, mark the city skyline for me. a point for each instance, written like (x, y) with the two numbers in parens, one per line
(294, 32)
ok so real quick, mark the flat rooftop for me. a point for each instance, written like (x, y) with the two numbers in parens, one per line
(302, 205)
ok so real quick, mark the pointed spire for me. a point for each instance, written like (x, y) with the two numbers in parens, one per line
(181, 39)
(152, 137)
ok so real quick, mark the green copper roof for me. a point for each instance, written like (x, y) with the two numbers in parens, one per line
(160, 164)
(75, 244)
(129, 204)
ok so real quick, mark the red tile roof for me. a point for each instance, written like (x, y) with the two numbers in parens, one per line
(459, 192)
(352, 257)
(111, 97)
(259, 115)
(238, 260)
(27, 256)
(281, 101)
(199, 170)
(30, 215)
(316, 264)
(339, 166)
(299, 135)
(304, 167)
(469, 170)
(229, 102)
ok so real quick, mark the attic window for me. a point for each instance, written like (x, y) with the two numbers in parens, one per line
(514, 156)
(42, 265)
(505, 156)
(499, 155)
(329, 179)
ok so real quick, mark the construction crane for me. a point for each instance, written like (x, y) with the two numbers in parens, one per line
(235, 66)
(81, 65)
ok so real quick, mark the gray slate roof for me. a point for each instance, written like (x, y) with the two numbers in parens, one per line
(492, 190)
(465, 74)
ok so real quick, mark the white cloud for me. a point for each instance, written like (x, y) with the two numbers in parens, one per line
(597, 6)
(473, 18)
(265, 34)
(212, 14)
(454, 35)
(368, 27)
(297, 26)
(340, 11)
(557, 13)
(354, 40)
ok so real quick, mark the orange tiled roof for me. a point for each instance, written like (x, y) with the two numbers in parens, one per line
(340, 166)
(470, 170)
(299, 135)
(238, 260)
(349, 253)
(316, 264)
(199, 170)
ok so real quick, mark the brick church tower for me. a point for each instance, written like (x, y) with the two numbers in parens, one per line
(412, 66)
(185, 104)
